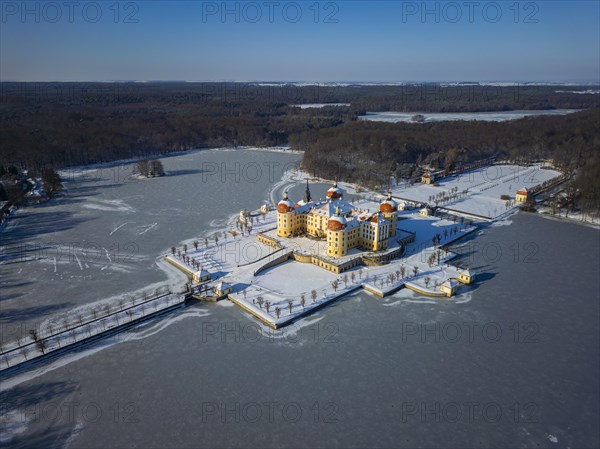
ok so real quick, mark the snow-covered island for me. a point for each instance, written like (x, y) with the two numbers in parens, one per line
(283, 262)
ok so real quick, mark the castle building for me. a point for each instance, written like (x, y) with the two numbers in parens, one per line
(341, 224)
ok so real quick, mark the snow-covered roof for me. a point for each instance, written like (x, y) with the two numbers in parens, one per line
(451, 283)
(335, 191)
(522, 190)
(339, 218)
(388, 203)
(222, 285)
(329, 208)
(201, 273)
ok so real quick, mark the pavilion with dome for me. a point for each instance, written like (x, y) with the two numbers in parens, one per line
(342, 225)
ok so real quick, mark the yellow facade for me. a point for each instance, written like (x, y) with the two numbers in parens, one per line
(465, 277)
(344, 229)
(521, 196)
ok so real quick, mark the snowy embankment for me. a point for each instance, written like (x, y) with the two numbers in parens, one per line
(67, 335)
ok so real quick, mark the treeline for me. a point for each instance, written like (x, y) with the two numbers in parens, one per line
(373, 152)
(65, 124)
(80, 123)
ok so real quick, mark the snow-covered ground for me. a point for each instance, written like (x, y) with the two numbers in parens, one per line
(484, 188)
(236, 259)
(501, 116)
(318, 105)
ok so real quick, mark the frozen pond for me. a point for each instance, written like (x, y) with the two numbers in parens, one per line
(501, 116)
(514, 362)
(318, 105)
(102, 237)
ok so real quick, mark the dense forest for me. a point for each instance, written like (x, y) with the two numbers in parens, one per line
(65, 124)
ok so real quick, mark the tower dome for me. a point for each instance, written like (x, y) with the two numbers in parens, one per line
(335, 193)
(337, 222)
(285, 205)
(389, 205)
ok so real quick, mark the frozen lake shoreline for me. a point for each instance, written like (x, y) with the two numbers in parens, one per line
(500, 116)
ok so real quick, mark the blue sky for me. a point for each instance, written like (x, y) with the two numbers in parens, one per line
(301, 41)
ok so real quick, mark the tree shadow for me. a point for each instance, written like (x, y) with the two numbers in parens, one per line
(16, 315)
(35, 224)
(21, 406)
(184, 172)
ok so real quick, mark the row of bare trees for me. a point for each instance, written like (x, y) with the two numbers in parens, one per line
(68, 329)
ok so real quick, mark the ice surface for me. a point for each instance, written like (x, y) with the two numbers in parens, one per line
(501, 116)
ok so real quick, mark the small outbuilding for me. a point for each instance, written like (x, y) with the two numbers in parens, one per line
(449, 287)
(402, 205)
(426, 211)
(522, 195)
(427, 178)
(201, 276)
(222, 289)
(465, 277)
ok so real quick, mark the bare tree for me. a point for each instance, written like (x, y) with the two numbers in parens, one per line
(345, 279)
(277, 311)
(260, 301)
(313, 295)
(415, 270)
(335, 284)
(39, 341)
(173, 250)
(427, 280)
(65, 324)
(24, 352)
(195, 244)
(290, 305)
(267, 305)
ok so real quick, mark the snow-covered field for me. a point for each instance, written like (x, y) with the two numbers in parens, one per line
(484, 188)
(501, 116)
(318, 105)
